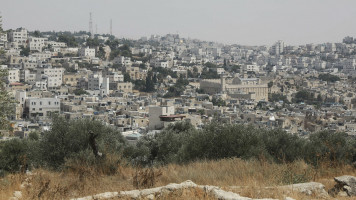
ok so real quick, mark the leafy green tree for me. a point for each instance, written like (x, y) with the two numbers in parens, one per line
(121, 51)
(12, 155)
(113, 44)
(80, 92)
(127, 77)
(337, 147)
(68, 39)
(218, 102)
(154, 78)
(329, 78)
(162, 147)
(25, 51)
(235, 68)
(177, 89)
(162, 73)
(68, 138)
(140, 85)
(209, 74)
(37, 34)
(142, 66)
(278, 97)
(92, 42)
(101, 53)
(193, 73)
(149, 82)
(33, 136)
(270, 84)
(216, 140)
(210, 65)
(6, 103)
(302, 96)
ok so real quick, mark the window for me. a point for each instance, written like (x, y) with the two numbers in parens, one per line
(49, 103)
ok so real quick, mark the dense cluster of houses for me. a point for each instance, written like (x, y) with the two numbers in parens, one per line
(276, 86)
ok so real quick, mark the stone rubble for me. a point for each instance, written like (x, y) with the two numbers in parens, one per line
(345, 186)
(307, 188)
(158, 191)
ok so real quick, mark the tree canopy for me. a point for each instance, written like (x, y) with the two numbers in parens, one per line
(6, 103)
(329, 78)
(68, 39)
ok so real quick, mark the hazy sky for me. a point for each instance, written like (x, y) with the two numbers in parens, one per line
(248, 22)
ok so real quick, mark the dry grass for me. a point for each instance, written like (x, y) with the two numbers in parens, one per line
(250, 177)
(10, 184)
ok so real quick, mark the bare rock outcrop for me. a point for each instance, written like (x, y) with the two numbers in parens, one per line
(345, 186)
(159, 191)
(311, 188)
(308, 188)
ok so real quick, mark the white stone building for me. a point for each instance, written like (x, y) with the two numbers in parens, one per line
(155, 114)
(37, 44)
(115, 77)
(54, 76)
(13, 75)
(251, 68)
(278, 48)
(57, 44)
(41, 107)
(19, 36)
(87, 52)
(95, 81)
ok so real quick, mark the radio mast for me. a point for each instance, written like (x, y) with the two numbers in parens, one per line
(110, 26)
(91, 26)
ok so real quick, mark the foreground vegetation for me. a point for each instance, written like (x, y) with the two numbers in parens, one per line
(182, 143)
(83, 141)
(83, 157)
(251, 176)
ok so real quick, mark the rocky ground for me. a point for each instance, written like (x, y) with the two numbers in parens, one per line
(345, 187)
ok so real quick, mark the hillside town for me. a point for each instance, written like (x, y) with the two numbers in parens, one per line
(141, 86)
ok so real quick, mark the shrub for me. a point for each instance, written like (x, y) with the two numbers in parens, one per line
(329, 146)
(145, 178)
(162, 147)
(68, 142)
(67, 138)
(182, 143)
(12, 155)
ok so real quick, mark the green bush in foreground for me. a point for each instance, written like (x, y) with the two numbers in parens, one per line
(217, 141)
(67, 140)
(67, 145)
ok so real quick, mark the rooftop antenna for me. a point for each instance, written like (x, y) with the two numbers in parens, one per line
(96, 28)
(110, 26)
(90, 25)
